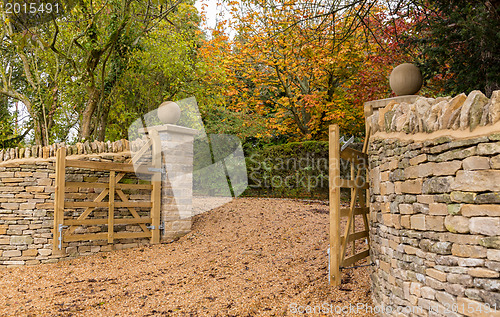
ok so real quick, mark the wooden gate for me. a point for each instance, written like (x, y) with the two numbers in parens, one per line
(358, 184)
(64, 227)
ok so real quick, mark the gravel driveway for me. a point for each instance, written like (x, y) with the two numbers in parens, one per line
(251, 257)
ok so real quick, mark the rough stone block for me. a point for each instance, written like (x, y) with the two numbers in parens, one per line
(485, 225)
(20, 240)
(463, 197)
(454, 209)
(461, 279)
(488, 148)
(482, 272)
(44, 252)
(415, 288)
(446, 299)
(468, 251)
(495, 162)
(457, 224)
(418, 159)
(438, 209)
(425, 199)
(11, 253)
(438, 275)
(406, 209)
(476, 163)
(493, 255)
(30, 252)
(484, 180)
(437, 185)
(471, 111)
(405, 222)
(457, 154)
(418, 222)
(480, 210)
(470, 262)
(446, 168)
(487, 284)
(427, 292)
(434, 223)
(412, 186)
(435, 284)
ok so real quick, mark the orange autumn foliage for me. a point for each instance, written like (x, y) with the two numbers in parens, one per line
(296, 71)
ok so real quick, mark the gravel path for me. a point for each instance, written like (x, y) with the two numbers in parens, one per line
(251, 257)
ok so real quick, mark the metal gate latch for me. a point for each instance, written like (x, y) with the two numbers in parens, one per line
(61, 227)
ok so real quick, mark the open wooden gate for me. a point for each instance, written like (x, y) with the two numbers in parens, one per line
(64, 227)
(341, 256)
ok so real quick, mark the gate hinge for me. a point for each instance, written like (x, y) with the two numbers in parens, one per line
(161, 226)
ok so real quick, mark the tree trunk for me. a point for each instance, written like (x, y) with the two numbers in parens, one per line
(88, 112)
(103, 122)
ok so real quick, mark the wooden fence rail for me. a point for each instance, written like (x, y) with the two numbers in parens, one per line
(64, 228)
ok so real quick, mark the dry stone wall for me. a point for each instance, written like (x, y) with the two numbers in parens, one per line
(435, 207)
(27, 209)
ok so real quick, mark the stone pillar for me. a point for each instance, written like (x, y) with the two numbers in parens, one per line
(177, 181)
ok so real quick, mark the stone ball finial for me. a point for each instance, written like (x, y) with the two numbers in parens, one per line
(169, 112)
(406, 79)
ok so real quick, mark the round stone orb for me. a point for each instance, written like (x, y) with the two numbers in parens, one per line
(169, 112)
(406, 79)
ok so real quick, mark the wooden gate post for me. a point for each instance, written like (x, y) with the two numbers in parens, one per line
(59, 200)
(334, 179)
(156, 182)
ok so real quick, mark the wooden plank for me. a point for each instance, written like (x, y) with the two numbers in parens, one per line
(103, 204)
(59, 198)
(103, 221)
(111, 207)
(344, 212)
(106, 185)
(355, 236)
(355, 258)
(102, 166)
(104, 236)
(334, 192)
(156, 182)
(109, 166)
(83, 204)
(352, 154)
(134, 186)
(86, 185)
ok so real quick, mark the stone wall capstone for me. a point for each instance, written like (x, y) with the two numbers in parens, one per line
(435, 206)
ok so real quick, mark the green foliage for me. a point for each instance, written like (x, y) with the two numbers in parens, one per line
(6, 123)
(297, 169)
(460, 41)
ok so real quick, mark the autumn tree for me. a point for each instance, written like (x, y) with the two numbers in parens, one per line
(298, 68)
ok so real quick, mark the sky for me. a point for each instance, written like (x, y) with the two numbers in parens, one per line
(212, 8)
